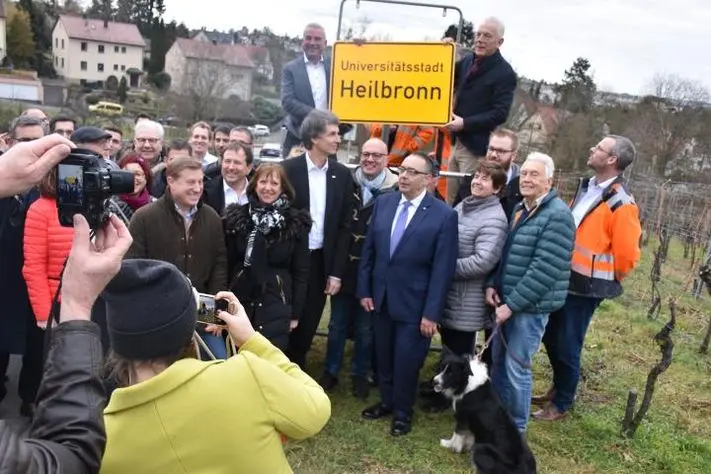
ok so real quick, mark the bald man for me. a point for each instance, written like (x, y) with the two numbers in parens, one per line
(372, 178)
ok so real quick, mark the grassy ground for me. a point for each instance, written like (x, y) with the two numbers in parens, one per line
(618, 355)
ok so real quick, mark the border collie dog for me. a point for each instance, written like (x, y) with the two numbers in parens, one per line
(482, 424)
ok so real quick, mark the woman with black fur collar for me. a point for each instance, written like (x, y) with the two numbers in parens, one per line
(268, 254)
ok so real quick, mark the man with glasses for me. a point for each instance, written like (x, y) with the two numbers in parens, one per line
(503, 149)
(373, 179)
(62, 125)
(405, 272)
(484, 90)
(148, 141)
(606, 251)
(19, 333)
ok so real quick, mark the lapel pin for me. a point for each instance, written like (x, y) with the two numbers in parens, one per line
(333, 176)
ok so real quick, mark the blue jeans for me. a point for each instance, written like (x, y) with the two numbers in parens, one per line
(344, 310)
(563, 339)
(216, 344)
(511, 379)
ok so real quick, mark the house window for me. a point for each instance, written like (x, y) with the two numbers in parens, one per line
(83, 45)
(123, 49)
(62, 44)
(56, 60)
(62, 63)
(100, 67)
(56, 43)
(83, 65)
(116, 49)
(101, 48)
(123, 68)
(115, 67)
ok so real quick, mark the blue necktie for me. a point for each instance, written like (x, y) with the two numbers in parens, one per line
(400, 226)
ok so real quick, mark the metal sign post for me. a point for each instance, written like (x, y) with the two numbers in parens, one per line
(444, 8)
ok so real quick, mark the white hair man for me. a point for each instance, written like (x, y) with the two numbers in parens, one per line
(530, 283)
(484, 89)
(148, 140)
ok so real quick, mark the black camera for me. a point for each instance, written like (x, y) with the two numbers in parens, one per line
(84, 184)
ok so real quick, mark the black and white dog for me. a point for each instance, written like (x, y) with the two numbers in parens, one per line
(482, 423)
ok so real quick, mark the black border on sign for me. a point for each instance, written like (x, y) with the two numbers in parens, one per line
(394, 122)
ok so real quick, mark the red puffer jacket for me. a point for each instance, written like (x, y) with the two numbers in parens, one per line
(46, 246)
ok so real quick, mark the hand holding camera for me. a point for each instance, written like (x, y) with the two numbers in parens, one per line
(238, 324)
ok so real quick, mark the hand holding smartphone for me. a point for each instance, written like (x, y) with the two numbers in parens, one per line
(208, 306)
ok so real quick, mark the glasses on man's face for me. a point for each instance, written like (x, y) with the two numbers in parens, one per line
(375, 156)
(599, 148)
(411, 171)
(150, 141)
(501, 151)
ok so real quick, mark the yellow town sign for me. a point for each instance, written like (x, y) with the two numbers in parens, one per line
(395, 83)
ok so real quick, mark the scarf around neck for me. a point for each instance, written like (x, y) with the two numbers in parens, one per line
(266, 218)
(370, 188)
(136, 201)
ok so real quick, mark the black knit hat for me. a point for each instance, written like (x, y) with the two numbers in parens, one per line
(151, 310)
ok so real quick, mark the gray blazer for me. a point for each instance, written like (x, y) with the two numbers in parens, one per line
(297, 100)
(482, 235)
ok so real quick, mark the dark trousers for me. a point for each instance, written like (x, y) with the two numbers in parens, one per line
(31, 372)
(563, 339)
(290, 141)
(301, 338)
(459, 342)
(400, 350)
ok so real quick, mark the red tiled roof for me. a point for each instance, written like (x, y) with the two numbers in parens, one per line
(231, 54)
(94, 30)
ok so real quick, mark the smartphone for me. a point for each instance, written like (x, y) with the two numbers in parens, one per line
(208, 307)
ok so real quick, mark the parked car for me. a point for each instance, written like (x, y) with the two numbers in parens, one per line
(261, 131)
(107, 108)
(270, 150)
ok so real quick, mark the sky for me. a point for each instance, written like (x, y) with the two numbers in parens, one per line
(626, 41)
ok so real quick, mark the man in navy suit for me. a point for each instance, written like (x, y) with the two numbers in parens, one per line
(304, 84)
(407, 265)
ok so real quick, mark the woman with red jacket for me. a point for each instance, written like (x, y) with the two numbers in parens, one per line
(46, 247)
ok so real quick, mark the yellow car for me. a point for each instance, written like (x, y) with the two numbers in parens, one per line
(106, 108)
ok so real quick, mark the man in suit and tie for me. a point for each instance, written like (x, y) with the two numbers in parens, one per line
(325, 187)
(304, 84)
(406, 269)
(230, 185)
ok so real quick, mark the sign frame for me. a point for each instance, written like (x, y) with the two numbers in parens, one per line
(389, 120)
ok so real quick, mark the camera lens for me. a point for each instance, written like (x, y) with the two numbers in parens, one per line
(121, 182)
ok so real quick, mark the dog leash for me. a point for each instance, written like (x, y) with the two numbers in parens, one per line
(487, 343)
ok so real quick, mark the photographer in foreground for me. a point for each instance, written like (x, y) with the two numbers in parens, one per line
(67, 434)
(175, 413)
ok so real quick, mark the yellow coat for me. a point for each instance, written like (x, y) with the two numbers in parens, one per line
(214, 417)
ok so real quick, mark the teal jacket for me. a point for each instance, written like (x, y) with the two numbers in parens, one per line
(534, 271)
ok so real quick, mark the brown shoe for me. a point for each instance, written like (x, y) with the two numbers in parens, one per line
(549, 413)
(543, 400)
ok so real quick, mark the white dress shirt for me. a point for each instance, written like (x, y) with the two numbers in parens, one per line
(415, 203)
(317, 201)
(208, 158)
(593, 193)
(231, 196)
(318, 81)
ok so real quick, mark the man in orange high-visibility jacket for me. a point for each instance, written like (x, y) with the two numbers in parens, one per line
(404, 141)
(606, 250)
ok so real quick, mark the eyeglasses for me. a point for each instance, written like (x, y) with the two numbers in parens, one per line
(152, 141)
(491, 149)
(412, 171)
(599, 148)
(375, 156)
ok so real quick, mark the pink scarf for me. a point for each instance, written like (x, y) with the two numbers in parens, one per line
(136, 201)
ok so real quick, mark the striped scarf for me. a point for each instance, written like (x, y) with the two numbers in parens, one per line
(266, 219)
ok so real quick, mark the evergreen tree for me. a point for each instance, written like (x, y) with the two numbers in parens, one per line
(122, 90)
(577, 92)
(20, 42)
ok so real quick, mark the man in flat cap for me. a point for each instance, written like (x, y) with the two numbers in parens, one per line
(97, 140)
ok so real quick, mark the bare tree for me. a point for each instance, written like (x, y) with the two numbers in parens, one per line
(668, 119)
(205, 84)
